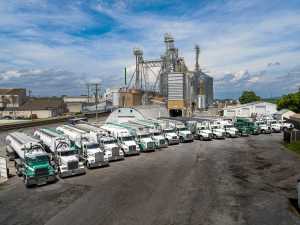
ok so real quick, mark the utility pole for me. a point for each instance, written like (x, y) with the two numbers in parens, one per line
(96, 93)
(30, 103)
(88, 90)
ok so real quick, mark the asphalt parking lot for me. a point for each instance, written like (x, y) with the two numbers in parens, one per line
(234, 181)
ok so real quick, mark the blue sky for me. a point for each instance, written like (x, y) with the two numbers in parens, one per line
(55, 47)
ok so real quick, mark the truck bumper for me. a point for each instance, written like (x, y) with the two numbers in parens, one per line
(69, 173)
(116, 158)
(99, 164)
(219, 137)
(162, 145)
(129, 153)
(188, 139)
(173, 141)
(41, 180)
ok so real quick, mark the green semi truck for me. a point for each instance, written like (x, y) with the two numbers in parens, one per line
(246, 127)
(31, 160)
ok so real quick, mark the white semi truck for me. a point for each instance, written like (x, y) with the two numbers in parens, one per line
(156, 132)
(218, 132)
(31, 160)
(125, 139)
(275, 125)
(182, 132)
(142, 135)
(107, 143)
(264, 128)
(229, 128)
(89, 150)
(64, 155)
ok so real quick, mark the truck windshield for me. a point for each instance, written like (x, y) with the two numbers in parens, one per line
(169, 131)
(144, 136)
(156, 134)
(182, 129)
(37, 159)
(111, 141)
(128, 138)
(92, 146)
(228, 126)
(68, 153)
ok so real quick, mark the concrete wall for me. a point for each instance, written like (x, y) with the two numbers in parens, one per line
(75, 107)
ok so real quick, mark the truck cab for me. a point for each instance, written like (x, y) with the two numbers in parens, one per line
(68, 164)
(128, 144)
(145, 141)
(31, 160)
(184, 134)
(275, 126)
(217, 131)
(203, 132)
(285, 125)
(264, 128)
(230, 130)
(110, 146)
(171, 136)
(92, 155)
(159, 139)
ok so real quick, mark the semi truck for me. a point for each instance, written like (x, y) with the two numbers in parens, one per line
(89, 150)
(141, 133)
(125, 140)
(229, 128)
(31, 160)
(63, 154)
(264, 128)
(155, 131)
(106, 142)
(183, 133)
(246, 127)
(217, 131)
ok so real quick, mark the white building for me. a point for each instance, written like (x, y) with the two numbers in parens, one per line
(250, 109)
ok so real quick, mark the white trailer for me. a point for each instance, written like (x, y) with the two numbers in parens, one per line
(125, 139)
(65, 156)
(31, 160)
(89, 150)
(107, 143)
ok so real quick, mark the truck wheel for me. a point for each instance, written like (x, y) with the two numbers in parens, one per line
(26, 182)
(88, 165)
(201, 138)
(263, 131)
(181, 140)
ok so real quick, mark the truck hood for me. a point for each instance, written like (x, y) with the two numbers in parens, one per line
(129, 143)
(171, 135)
(111, 146)
(146, 140)
(185, 132)
(66, 159)
(93, 150)
(205, 131)
(158, 137)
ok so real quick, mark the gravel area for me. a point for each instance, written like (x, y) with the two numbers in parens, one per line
(234, 181)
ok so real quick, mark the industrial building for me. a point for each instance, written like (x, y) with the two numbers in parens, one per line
(184, 90)
(250, 109)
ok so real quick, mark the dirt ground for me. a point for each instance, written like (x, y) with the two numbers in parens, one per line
(247, 180)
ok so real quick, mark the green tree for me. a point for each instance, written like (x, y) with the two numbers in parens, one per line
(290, 101)
(249, 96)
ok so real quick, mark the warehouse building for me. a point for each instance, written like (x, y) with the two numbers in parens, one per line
(250, 109)
(12, 97)
(39, 108)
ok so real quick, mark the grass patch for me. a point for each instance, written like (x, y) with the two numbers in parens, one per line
(295, 147)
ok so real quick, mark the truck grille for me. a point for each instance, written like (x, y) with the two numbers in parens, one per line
(132, 148)
(174, 137)
(115, 151)
(162, 142)
(99, 157)
(72, 165)
(189, 136)
(150, 145)
(41, 171)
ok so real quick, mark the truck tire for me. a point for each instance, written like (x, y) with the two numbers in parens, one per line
(201, 138)
(181, 140)
(88, 165)
(26, 182)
